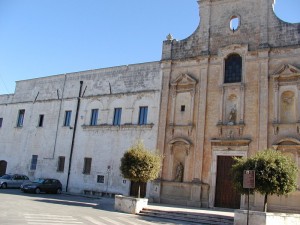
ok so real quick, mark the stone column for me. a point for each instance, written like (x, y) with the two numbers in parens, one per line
(298, 102)
(221, 104)
(173, 94)
(166, 67)
(276, 105)
(192, 106)
(242, 102)
(205, 10)
(263, 99)
(201, 115)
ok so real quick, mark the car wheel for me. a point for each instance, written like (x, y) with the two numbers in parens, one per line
(58, 191)
(4, 185)
(37, 190)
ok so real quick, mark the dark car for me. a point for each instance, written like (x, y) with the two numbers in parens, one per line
(12, 180)
(47, 185)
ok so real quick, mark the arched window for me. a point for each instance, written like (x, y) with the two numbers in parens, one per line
(233, 69)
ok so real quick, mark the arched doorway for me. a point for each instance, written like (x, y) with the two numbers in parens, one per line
(3, 165)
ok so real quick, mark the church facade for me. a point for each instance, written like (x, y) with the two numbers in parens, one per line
(229, 90)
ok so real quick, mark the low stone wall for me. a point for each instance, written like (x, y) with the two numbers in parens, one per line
(265, 218)
(184, 193)
(130, 204)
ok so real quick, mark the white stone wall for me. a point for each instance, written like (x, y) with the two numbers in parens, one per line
(126, 87)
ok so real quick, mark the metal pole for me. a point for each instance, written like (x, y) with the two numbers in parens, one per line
(248, 207)
(73, 135)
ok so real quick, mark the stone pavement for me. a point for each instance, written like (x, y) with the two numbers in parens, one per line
(194, 215)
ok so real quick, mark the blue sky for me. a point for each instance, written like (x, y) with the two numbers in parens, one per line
(48, 37)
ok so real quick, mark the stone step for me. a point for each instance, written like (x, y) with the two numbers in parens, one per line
(199, 218)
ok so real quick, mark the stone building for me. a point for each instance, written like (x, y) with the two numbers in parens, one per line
(76, 126)
(230, 89)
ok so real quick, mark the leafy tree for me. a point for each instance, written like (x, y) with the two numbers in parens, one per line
(140, 165)
(275, 173)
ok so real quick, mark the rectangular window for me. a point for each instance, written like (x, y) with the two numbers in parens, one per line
(1, 120)
(61, 164)
(41, 120)
(94, 117)
(87, 165)
(143, 115)
(100, 179)
(33, 162)
(67, 120)
(182, 109)
(117, 116)
(21, 118)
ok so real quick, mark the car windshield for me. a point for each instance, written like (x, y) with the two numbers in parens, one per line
(7, 177)
(38, 181)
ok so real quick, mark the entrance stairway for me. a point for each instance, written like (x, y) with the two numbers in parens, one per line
(200, 217)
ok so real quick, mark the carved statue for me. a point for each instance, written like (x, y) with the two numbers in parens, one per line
(169, 37)
(232, 116)
(179, 173)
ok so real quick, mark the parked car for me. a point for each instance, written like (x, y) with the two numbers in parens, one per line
(12, 180)
(39, 185)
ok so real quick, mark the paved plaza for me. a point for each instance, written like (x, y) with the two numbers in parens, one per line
(18, 208)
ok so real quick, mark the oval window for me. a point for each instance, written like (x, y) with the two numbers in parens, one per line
(234, 23)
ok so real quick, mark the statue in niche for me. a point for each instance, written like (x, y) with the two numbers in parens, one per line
(232, 116)
(179, 173)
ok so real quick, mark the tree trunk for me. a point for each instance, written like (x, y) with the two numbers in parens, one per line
(139, 190)
(266, 203)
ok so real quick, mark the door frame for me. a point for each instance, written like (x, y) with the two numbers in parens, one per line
(4, 165)
(215, 154)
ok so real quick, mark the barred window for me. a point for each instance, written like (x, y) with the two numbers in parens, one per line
(33, 162)
(233, 69)
(87, 165)
(100, 179)
(61, 164)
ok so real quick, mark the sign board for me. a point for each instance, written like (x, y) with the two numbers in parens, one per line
(249, 179)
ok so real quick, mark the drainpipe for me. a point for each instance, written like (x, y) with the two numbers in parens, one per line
(74, 133)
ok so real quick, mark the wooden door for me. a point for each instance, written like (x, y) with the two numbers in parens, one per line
(226, 196)
(3, 165)
(134, 189)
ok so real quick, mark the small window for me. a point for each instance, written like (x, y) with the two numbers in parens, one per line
(117, 116)
(94, 117)
(21, 116)
(87, 165)
(234, 23)
(41, 120)
(61, 164)
(182, 109)
(100, 179)
(67, 120)
(143, 115)
(233, 69)
(33, 162)
(1, 120)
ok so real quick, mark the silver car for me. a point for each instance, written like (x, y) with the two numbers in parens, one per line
(12, 180)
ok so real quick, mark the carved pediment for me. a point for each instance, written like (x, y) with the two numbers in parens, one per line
(287, 141)
(184, 80)
(180, 142)
(234, 48)
(286, 73)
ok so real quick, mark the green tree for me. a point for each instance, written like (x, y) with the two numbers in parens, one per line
(140, 165)
(275, 173)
